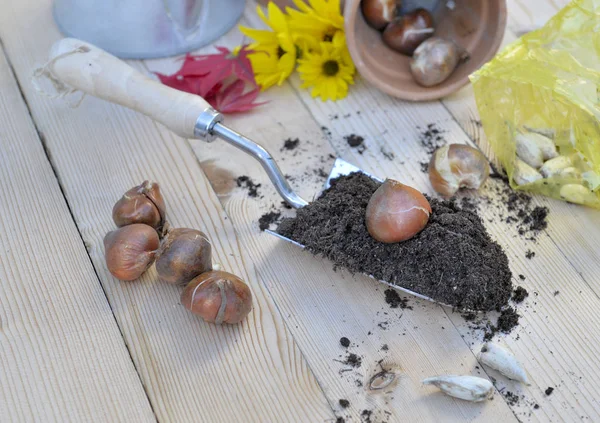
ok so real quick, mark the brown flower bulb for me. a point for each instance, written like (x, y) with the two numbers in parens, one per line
(141, 204)
(434, 61)
(396, 212)
(378, 13)
(218, 297)
(184, 254)
(457, 166)
(408, 32)
(130, 250)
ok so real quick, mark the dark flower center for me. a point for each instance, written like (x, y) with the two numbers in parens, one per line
(328, 37)
(331, 68)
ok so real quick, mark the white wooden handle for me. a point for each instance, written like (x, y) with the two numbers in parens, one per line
(102, 75)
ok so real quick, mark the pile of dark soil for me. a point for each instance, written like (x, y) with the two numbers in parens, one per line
(453, 260)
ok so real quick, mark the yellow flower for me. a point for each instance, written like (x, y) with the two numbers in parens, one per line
(327, 72)
(270, 66)
(274, 52)
(319, 19)
(278, 23)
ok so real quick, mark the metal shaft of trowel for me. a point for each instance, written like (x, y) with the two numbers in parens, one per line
(265, 159)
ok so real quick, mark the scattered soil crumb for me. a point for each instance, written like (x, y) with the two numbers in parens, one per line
(522, 277)
(385, 347)
(512, 399)
(536, 406)
(496, 174)
(453, 260)
(365, 416)
(340, 420)
(291, 144)
(354, 140)
(326, 131)
(556, 293)
(537, 218)
(344, 403)
(285, 205)
(519, 294)
(424, 167)
(321, 172)
(431, 138)
(345, 342)
(530, 254)
(394, 300)
(549, 390)
(387, 154)
(353, 360)
(469, 317)
(507, 321)
(246, 182)
(267, 219)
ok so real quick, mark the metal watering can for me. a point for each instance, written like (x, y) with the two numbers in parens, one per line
(145, 29)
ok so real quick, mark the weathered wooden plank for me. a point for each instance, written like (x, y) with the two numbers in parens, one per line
(62, 357)
(192, 371)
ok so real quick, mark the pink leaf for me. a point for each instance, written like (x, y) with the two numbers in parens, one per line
(220, 79)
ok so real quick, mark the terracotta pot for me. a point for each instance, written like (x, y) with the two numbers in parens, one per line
(476, 25)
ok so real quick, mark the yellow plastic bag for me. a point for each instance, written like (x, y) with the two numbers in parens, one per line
(541, 93)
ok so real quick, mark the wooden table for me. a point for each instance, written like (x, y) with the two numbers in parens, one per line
(78, 345)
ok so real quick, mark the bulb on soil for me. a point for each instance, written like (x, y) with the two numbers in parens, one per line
(396, 212)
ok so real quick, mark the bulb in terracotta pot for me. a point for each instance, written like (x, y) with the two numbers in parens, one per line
(457, 166)
(141, 204)
(184, 254)
(434, 61)
(218, 297)
(396, 212)
(378, 13)
(408, 32)
(130, 250)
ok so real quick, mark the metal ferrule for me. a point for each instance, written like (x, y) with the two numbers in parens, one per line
(205, 124)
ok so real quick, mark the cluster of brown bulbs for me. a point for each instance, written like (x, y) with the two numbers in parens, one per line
(433, 58)
(182, 257)
(397, 212)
